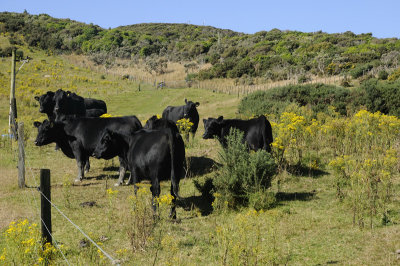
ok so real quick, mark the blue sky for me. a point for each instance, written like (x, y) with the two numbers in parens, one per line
(380, 17)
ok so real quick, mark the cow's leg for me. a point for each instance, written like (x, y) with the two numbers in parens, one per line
(122, 171)
(172, 214)
(155, 191)
(87, 165)
(81, 166)
(134, 178)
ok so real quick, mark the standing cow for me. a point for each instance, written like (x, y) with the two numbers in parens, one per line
(71, 104)
(188, 111)
(78, 138)
(46, 104)
(150, 154)
(257, 131)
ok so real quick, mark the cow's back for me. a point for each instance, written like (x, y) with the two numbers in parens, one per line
(95, 104)
(173, 113)
(88, 131)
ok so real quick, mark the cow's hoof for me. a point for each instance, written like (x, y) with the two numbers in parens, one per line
(117, 184)
(78, 180)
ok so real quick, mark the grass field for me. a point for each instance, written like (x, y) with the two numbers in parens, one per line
(308, 226)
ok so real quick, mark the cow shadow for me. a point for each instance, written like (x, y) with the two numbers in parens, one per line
(197, 166)
(293, 196)
(201, 203)
(305, 171)
(105, 176)
(111, 168)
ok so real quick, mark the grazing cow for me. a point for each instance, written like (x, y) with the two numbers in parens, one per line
(188, 111)
(150, 154)
(78, 137)
(257, 131)
(46, 103)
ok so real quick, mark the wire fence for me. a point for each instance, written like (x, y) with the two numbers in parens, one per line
(56, 243)
(231, 87)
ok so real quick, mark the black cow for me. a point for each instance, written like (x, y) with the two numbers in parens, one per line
(188, 111)
(91, 103)
(150, 154)
(78, 137)
(160, 123)
(257, 131)
(68, 105)
(46, 104)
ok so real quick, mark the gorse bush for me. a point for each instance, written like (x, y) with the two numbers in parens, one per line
(318, 96)
(242, 172)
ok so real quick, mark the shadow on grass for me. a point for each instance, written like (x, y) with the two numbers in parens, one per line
(292, 196)
(202, 203)
(111, 168)
(199, 165)
(104, 177)
(301, 170)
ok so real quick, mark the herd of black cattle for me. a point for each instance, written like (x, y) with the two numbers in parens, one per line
(154, 152)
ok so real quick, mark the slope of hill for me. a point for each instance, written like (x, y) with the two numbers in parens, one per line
(268, 55)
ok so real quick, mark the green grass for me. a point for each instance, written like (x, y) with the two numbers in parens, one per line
(309, 226)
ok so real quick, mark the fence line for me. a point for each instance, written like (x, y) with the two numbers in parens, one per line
(38, 210)
(55, 241)
(77, 227)
(239, 89)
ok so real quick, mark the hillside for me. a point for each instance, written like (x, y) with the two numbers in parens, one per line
(258, 58)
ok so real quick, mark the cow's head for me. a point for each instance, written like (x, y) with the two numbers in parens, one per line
(213, 127)
(189, 108)
(60, 103)
(47, 132)
(151, 122)
(107, 147)
(46, 102)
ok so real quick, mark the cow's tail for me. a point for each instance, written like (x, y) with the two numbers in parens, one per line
(175, 173)
(267, 134)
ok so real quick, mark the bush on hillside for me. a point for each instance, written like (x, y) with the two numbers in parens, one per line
(243, 173)
(318, 96)
(382, 96)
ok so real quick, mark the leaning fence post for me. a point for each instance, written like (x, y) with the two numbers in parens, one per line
(45, 206)
(21, 156)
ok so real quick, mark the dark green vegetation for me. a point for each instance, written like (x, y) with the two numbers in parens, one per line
(270, 55)
(374, 95)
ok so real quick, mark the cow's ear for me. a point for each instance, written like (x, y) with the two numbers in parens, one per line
(204, 120)
(220, 118)
(37, 124)
(36, 98)
(185, 101)
(197, 104)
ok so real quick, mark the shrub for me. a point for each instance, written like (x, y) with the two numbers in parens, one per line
(382, 96)
(360, 70)
(242, 172)
(318, 96)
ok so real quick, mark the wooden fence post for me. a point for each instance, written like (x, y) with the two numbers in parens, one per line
(45, 206)
(21, 156)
